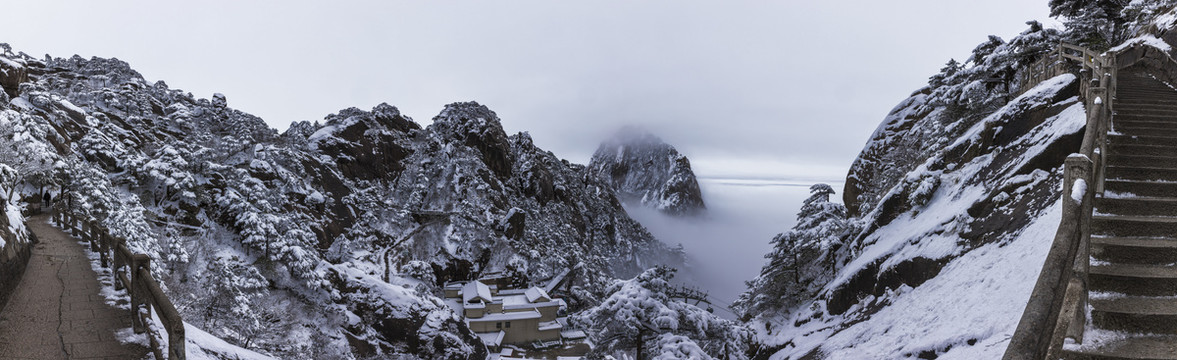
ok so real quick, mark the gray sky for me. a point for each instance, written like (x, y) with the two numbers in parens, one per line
(744, 88)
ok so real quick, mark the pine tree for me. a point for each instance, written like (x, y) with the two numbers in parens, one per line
(950, 68)
(641, 316)
(801, 257)
(1097, 23)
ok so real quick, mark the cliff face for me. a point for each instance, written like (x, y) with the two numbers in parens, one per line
(645, 170)
(16, 243)
(327, 240)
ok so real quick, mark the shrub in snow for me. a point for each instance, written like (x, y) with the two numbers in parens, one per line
(419, 270)
(234, 290)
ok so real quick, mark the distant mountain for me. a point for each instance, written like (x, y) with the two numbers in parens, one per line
(647, 171)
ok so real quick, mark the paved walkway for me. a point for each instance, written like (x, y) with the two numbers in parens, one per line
(56, 311)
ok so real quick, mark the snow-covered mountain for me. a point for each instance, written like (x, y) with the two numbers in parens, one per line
(647, 171)
(949, 211)
(328, 240)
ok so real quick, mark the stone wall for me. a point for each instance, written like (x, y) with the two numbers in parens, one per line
(14, 255)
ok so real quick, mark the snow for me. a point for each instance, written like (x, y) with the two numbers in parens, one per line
(203, 346)
(1079, 190)
(989, 287)
(549, 325)
(1148, 40)
(69, 105)
(8, 62)
(22, 103)
(1037, 96)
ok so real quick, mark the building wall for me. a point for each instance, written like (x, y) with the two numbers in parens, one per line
(475, 312)
(521, 331)
(527, 331)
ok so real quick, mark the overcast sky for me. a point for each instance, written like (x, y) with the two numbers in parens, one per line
(744, 88)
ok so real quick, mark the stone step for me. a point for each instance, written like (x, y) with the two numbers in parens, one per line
(1133, 279)
(1146, 95)
(1145, 131)
(1142, 140)
(1136, 206)
(1122, 101)
(1137, 103)
(1125, 188)
(1134, 226)
(1131, 347)
(1141, 150)
(1144, 91)
(1165, 162)
(1124, 125)
(1135, 116)
(1140, 173)
(1136, 314)
(1134, 250)
(1145, 110)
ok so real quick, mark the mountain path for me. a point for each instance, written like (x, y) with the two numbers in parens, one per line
(1133, 277)
(56, 312)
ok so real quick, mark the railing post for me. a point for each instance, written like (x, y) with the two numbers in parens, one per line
(120, 263)
(73, 225)
(104, 246)
(137, 292)
(176, 340)
(92, 235)
(1082, 168)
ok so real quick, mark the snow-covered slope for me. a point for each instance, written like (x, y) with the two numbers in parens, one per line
(954, 204)
(328, 240)
(946, 268)
(645, 170)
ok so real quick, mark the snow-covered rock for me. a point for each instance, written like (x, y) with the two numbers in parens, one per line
(647, 171)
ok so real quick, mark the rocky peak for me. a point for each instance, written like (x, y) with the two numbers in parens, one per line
(643, 169)
(477, 126)
(366, 145)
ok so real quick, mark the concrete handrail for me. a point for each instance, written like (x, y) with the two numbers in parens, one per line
(1057, 309)
(132, 272)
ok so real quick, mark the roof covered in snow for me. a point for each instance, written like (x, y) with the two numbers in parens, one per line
(492, 338)
(536, 294)
(475, 290)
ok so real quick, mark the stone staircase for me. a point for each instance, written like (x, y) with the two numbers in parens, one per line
(1133, 274)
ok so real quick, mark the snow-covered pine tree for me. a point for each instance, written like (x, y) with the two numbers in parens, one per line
(641, 317)
(801, 260)
(234, 289)
(950, 68)
(1094, 23)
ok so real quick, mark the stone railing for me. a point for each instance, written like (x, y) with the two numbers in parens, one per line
(133, 272)
(1057, 309)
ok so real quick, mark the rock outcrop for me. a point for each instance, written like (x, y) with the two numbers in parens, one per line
(647, 171)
